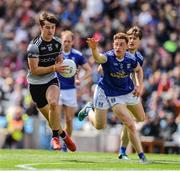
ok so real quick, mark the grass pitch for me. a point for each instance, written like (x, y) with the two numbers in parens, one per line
(55, 160)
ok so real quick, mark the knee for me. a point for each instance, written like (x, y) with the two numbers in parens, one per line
(130, 125)
(53, 104)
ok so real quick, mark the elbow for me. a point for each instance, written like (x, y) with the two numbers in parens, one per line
(34, 72)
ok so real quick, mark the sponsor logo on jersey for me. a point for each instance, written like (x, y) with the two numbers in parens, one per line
(47, 60)
(128, 66)
(43, 48)
(115, 64)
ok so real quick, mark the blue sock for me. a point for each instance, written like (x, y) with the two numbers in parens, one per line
(122, 150)
(141, 155)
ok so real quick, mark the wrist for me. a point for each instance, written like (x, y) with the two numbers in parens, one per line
(54, 68)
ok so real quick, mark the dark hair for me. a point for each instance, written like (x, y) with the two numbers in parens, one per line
(136, 31)
(121, 36)
(46, 16)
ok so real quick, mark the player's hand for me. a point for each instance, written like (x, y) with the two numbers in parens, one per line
(77, 82)
(61, 68)
(138, 91)
(59, 58)
(92, 43)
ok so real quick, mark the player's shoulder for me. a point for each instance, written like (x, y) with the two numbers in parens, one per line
(34, 44)
(76, 52)
(130, 56)
(109, 53)
(36, 41)
(57, 39)
(139, 55)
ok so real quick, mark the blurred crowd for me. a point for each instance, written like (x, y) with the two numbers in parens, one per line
(160, 23)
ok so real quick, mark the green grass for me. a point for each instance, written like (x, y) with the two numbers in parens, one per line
(44, 159)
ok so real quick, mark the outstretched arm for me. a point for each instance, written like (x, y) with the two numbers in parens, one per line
(98, 57)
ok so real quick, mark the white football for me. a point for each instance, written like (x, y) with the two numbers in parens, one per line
(71, 71)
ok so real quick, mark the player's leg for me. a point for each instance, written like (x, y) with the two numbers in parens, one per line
(98, 118)
(52, 96)
(45, 112)
(124, 141)
(139, 114)
(69, 116)
(69, 113)
(39, 93)
(97, 111)
(68, 101)
(137, 111)
(124, 115)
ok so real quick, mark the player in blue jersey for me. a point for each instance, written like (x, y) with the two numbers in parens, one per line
(115, 88)
(68, 95)
(44, 60)
(135, 36)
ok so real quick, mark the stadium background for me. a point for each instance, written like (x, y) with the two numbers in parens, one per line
(160, 23)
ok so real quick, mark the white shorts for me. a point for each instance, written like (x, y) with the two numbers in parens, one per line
(101, 101)
(68, 97)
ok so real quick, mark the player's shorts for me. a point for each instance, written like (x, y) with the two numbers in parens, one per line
(101, 101)
(38, 92)
(68, 97)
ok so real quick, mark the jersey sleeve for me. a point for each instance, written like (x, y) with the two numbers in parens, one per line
(32, 51)
(108, 55)
(132, 58)
(139, 58)
(60, 44)
(81, 60)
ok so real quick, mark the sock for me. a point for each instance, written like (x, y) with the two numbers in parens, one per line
(90, 108)
(62, 134)
(122, 150)
(141, 155)
(55, 133)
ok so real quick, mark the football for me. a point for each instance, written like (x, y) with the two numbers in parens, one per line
(71, 68)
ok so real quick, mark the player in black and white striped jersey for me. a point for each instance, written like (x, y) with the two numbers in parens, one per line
(44, 60)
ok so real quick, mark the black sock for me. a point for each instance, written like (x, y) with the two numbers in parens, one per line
(62, 134)
(55, 133)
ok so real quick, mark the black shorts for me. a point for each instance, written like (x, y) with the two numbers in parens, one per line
(38, 92)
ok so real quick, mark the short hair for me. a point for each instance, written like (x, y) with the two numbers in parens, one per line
(121, 36)
(67, 32)
(136, 31)
(46, 16)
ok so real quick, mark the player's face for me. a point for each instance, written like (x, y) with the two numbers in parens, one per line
(48, 31)
(67, 42)
(133, 43)
(120, 47)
